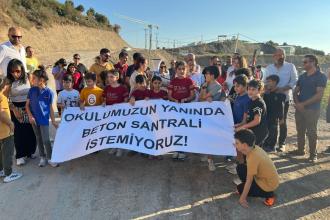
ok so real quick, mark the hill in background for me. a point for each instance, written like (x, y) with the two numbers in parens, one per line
(44, 13)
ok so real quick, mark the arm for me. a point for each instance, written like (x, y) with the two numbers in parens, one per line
(170, 97)
(28, 111)
(52, 116)
(243, 121)
(190, 98)
(256, 121)
(316, 98)
(247, 186)
(6, 120)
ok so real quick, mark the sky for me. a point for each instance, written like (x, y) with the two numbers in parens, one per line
(296, 22)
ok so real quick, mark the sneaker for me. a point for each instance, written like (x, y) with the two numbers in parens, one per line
(211, 165)
(269, 201)
(175, 155)
(229, 159)
(32, 157)
(53, 164)
(43, 162)
(13, 176)
(2, 173)
(20, 161)
(119, 153)
(181, 156)
(237, 181)
(297, 153)
(231, 166)
(313, 159)
(327, 151)
(204, 158)
(281, 148)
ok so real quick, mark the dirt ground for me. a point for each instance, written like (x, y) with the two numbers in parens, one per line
(100, 186)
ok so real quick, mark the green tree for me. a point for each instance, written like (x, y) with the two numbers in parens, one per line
(100, 18)
(80, 8)
(90, 12)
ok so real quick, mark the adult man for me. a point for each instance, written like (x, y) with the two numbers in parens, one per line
(307, 97)
(32, 62)
(172, 69)
(81, 68)
(122, 65)
(288, 78)
(11, 49)
(104, 64)
(215, 61)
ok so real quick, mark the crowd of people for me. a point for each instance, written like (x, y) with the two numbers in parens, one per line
(260, 102)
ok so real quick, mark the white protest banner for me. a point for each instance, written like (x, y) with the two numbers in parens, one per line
(153, 127)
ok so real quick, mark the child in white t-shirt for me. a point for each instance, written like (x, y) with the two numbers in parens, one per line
(68, 97)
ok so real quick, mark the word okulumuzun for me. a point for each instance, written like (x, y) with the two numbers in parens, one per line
(132, 140)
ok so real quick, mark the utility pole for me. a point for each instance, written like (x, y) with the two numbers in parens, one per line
(236, 44)
(145, 38)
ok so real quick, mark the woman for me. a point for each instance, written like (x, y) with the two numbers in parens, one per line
(17, 90)
(76, 76)
(164, 74)
(238, 63)
(58, 72)
(140, 69)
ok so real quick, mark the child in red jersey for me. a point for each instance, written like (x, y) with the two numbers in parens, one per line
(114, 92)
(140, 92)
(181, 90)
(156, 92)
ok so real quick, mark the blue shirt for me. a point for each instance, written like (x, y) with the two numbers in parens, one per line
(308, 85)
(40, 103)
(240, 106)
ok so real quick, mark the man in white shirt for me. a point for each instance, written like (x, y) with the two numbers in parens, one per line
(288, 79)
(12, 49)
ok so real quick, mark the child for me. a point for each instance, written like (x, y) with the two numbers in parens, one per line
(6, 139)
(259, 176)
(140, 92)
(275, 111)
(181, 90)
(39, 108)
(211, 91)
(91, 95)
(255, 117)
(240, 106)
(157, 92)
(77, 79)
(68, 97)
(114, 93)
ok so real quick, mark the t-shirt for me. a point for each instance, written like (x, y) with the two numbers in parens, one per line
(215, 89)
(132, 82)
(275, 106)
(181, 88)
(198, 79)
(81, 68)
(97, 69)
(4, 129)
(139, 94)
(263, 169)
(9, 52)
(77, 80)
(68, 98)
(122, 69)
(114, 95)
(240, 106)
(162, 94)
(91, 97)
(258, 107)
(308, 86)
(31, 64)
(130, 70)
(19, 91)
(58, 82)
(40, 103)
(230, 77)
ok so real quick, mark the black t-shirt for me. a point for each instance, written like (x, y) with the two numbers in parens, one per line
(275, 106)
(81, 68)
(258, 107)
(130, 70)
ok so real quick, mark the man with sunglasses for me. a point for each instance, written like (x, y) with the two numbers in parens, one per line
(103, 65)
(81, 68)
(12, 49)
(288, 79)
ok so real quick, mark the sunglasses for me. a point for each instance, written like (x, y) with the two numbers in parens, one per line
(16, 36)
(163, 67)
(76, 58)
(17, 71)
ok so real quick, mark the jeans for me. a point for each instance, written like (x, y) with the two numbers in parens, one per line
(255, 190)
(6, 154)
(283, 127)
(306, 123)
(43, 140)
(272, 134)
